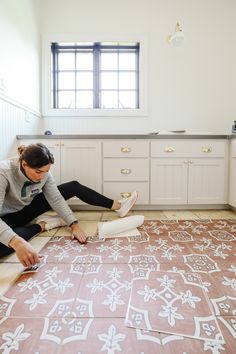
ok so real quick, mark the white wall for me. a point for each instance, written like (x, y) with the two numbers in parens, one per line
(20, 50)
(190, 87)
(20, 77)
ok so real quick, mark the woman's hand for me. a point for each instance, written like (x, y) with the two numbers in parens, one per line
(78, 233)
(24, 251)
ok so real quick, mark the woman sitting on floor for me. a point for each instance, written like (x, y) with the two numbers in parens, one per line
(27, 190)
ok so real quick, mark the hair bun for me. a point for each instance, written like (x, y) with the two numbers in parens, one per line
(21, 149)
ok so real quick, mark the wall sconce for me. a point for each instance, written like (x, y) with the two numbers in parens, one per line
(178, 37)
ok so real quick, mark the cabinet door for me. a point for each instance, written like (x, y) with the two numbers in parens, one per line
(207, 181)
(169, 181)
(81, 161)
(232, 182)
(54, 146)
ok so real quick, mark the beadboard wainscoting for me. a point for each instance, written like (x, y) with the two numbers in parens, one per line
(15, 119)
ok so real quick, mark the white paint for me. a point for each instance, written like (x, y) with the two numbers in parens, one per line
(20, 51)
(19, 72)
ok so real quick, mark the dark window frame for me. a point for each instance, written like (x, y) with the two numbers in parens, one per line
(96, 48)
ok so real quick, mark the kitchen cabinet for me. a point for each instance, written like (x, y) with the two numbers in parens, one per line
(126, 168)
(188, 172)
(164, 171)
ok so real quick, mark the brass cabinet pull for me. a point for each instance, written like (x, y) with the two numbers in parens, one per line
(188, 162)
(169, 149)
(125, 171)
(125, 149)
(125, 194)
(206, 149)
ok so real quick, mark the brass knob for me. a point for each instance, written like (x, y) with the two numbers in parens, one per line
(125, 171)
(125, 149)
(125, 194)
(169, 149)
(206, 149)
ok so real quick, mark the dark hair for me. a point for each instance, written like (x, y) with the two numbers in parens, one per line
(35, 155)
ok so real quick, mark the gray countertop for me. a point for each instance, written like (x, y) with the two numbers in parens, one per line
(127, 136)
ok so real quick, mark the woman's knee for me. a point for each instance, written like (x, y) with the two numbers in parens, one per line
(74, 184)
(69, 189)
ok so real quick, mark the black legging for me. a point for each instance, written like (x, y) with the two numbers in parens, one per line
(18, 221)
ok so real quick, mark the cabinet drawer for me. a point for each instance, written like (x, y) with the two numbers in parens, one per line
(126, 169)
(126, 148)
(119, 190)
(186, 148)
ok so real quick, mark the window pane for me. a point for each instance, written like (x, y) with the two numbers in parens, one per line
(66, 81)
(109, 80)
(109, 99)
(127, 61)
(66, 61)
(84, 61)
(109, 61)
(127, 99)
(127, 81)
(84, 99)
(84, 80)
(66, 99)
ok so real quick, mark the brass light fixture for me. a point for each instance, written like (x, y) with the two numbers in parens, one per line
(177, 37)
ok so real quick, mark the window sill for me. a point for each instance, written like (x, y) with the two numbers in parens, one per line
(95, 112)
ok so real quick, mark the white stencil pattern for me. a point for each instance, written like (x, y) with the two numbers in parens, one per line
(201, 263)
(162, 304)
(41, 288)
(169, 297)
(180, 236)
(222, 235)
(142, 265)
(115, 286)
(63, 325)
(196, 229)
(218, 250)
(12, 339)
(116, 248)
(152, 227)
(111, 340)
(168, 251)
(63, 252)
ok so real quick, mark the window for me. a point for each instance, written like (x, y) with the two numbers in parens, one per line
(95, 76)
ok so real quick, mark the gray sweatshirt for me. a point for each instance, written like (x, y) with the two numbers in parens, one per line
(15, 194)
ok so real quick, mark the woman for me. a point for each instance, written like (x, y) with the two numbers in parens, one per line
(27, 190)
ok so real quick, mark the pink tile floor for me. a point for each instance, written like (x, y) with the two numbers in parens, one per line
(171, 290)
